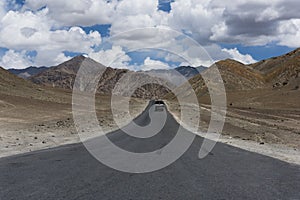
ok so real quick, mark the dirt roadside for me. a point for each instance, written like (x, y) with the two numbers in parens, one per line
(29, 124)
(268, 132)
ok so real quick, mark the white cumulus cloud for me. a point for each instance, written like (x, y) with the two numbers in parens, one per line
(114, 57)
(52, 27)
(28, 31)
(17, 60)
(150, 64)
(236, 55)
(76, 12)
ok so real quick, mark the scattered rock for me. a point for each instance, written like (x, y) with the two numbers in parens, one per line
(35, 138)
(296, 87)
(60, 123)
(44, 142)
(262, 143)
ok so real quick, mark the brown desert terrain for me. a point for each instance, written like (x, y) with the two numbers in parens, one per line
(263, 112)
(35, 117)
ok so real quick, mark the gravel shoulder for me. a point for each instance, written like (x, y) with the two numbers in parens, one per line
(267, 132)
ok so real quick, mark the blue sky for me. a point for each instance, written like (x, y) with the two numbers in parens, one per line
(165, 5)
(48, 32)
(103, 29)
(260, 52)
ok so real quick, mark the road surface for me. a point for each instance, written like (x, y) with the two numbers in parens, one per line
(70, 172)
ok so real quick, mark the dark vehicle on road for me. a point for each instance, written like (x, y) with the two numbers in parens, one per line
(159, 105)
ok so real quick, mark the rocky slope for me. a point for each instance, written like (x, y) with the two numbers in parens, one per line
(10, 82)
(14, 86)
(282, 71)
(235, 75)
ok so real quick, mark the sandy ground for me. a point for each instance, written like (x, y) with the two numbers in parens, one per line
(28, 124)
(268, 132)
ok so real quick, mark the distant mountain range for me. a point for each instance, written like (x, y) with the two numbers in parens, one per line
(190, 72)
(63, 76)
(187, 71)
(179, 75)
(278, 73)
(28, 72)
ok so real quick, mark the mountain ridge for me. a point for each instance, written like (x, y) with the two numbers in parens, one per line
(63, 76)
(27, 72)
(275, 75)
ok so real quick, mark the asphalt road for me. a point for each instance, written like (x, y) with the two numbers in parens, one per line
(70, 172)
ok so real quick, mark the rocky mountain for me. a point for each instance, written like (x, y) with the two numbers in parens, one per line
(179, 75)
(140, 81)
(281, 72)
(186, 71)
(190, 72)
(28, 72)
(63, 76)
(236, 76)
